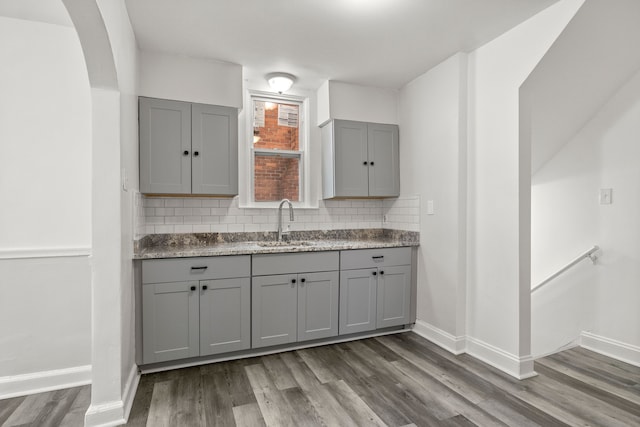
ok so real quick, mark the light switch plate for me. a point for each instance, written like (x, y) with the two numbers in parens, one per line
(429, 207)
(606, 196)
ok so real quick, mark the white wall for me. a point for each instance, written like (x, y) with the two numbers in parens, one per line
(603, 299)
(564, 223)
(190, 79)
(499, 227)
(433, 144)
(45, 219)
(337, 100)
(45, 130)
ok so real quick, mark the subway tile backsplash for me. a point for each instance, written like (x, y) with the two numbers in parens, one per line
(159, 215)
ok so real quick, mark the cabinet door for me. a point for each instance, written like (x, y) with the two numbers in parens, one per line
(225, 315)
(351, 164)
(215, 150)
(358, 300)
(165, 137)
(274, 305)
(317, 305)
(384, 164)
(170, 321)
(394, 296)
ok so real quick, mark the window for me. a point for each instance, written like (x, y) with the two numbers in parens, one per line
(277, 149)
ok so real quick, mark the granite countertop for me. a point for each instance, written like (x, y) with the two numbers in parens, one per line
(216, 244)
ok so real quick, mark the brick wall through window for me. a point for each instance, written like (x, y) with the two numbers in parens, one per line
(276, 177)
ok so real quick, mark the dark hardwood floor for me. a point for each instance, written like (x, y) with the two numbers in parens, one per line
(395, 380)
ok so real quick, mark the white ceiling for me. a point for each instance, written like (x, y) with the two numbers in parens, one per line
(382, 43)
(49, 11)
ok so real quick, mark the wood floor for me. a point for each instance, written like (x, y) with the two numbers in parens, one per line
(396, 380)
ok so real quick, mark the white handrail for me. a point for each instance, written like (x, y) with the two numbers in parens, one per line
(588, 254)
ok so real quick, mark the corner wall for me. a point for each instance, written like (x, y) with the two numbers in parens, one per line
(433, 148)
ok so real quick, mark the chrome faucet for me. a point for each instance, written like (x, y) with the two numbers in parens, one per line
(280, 217)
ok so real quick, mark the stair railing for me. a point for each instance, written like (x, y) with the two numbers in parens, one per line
(591, 254)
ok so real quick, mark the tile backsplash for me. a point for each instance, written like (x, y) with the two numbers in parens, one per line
(159, 215)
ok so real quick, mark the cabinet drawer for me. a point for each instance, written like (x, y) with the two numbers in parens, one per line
(371, 258)
(201, 268)
(288, 263)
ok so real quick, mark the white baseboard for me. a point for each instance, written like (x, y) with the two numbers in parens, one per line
(116, 412)
(105, 414)
(612, 348)
(518, 367)
(451, 343)
(130, 390)
(39, 382)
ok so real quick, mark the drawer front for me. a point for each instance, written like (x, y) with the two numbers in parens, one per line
(288, 263)
(371, 258)
(201, 268)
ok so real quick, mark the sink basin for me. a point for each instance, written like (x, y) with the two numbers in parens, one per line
(285, 243)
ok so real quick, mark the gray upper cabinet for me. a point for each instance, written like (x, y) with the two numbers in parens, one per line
(187, 148)
(165, 146)
(215, 150)
(384, 164)
(360, 159)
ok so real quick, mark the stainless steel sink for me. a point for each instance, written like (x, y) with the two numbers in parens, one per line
(285, 243)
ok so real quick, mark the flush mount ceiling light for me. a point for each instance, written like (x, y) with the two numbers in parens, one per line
(280, 82)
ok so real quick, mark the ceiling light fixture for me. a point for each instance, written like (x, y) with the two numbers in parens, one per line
(280, 82)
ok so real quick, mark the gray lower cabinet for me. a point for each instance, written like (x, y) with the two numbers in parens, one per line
(375, 289)
(274, 310)
(299, 305)
(225, 310)
(358, 290)
(317, 305)
(187, 148)
(394, 296)
(170, 321)
(209, 312)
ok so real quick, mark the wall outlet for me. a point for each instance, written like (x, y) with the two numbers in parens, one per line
(124, 179)
(606, 196)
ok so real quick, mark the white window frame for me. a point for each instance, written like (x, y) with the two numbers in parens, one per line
(303, 140)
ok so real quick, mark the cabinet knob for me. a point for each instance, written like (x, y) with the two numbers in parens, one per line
(196, 153)
(303, 280)
(371, 163)
(193, 288)
(204, 287)
(185, 152)
(381, 273)
(374, 273)
(364, 163)
(293, 280)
